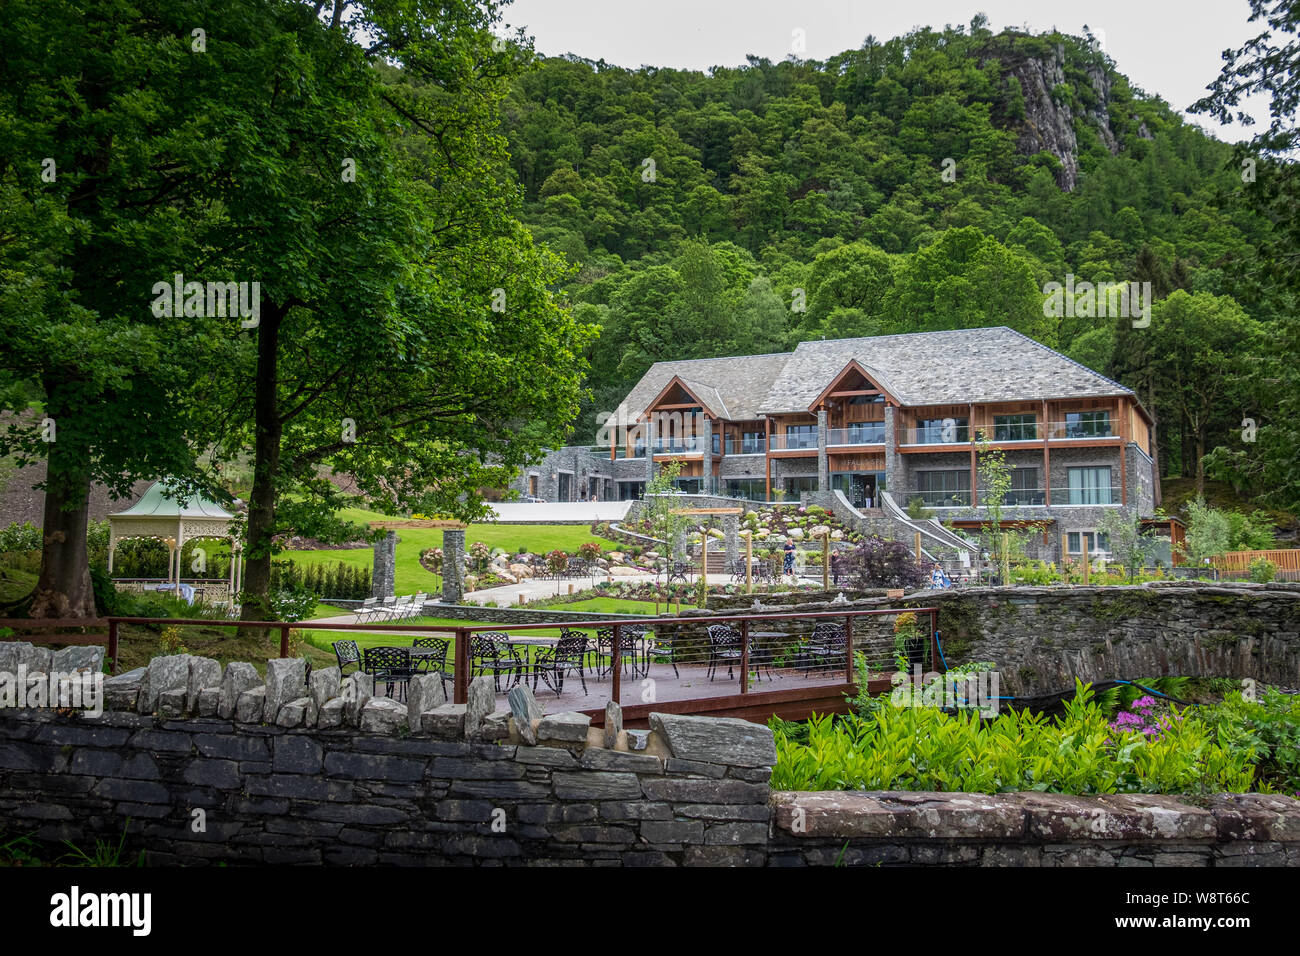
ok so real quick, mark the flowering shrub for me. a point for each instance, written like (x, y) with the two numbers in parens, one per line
(479, 556)
(1144, 716)
(556, 561)
(589, 551)
(432, 560)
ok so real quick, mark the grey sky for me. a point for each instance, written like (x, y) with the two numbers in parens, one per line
(1169, 49)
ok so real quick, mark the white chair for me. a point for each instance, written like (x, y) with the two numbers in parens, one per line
(366, 610)
(397, 610)
(417, 604)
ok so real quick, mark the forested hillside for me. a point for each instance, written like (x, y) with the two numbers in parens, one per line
(934, 181)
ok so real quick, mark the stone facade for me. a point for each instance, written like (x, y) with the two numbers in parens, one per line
(385, 566)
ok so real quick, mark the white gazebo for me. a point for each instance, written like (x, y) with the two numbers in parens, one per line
(174, 521)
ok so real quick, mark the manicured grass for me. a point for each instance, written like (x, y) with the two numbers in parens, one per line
(606, 605)
(411, 577)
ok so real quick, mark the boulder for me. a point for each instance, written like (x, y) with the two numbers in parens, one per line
(796, 534)
(495, 726)
(480, 701)
(356, 692)
(383, 715)
(163, 674)
(240, 676)
(324, 685)
(204, 672)
(293, 713)
(425, 692)
(567, 727)
(209, 698)
(521, 571)
(122, 692)
(616, 557)
(330, 714)
(622, 571)
(613, 723)
(286, 680)
(447, 721)
(506, 576)
(525, 709)
(68, 660)
(171, 703)
(249, 707)
(722, 740)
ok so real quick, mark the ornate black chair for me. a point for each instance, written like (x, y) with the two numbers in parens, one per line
(827, 648)
(390, 666)
(433, 657)
(492, 653)
(347, 653)
(724, 645)
(629, 638)
(568, 654)
(677, 571)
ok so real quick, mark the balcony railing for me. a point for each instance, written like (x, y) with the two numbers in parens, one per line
(1020, 497)
(863, 433)
(622, 452)
(795, 442)
(1087, 496)
(937, 435)
(678, 446)
(746, 446)
(1057, 431)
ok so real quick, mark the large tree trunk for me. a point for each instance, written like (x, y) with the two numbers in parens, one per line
(1200, 461)
(266, 466)
(1155, 446)
(63, 589)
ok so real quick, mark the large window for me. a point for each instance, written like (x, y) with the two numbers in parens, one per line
(1015, 427)
(1087, 424)
(1094, 541)
(1024, 488)
(942, 431)
(801, 436)
(794, 487)
(1089, 486)
(950, 489)
(755, 489)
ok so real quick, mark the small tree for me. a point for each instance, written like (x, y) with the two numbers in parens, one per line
(1127, 541)
(877, 563)
(995, 474)
(662, 513)
(1208, 532)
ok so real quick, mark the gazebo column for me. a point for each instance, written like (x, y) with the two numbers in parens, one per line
(112, 548)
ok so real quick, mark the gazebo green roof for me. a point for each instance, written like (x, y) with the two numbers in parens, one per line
(155, 503)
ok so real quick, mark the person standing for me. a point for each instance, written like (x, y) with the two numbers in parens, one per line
(789, 557)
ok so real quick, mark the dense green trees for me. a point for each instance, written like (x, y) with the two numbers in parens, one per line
(896, 187)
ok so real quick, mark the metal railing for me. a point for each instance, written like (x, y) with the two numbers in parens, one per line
(1104, 495)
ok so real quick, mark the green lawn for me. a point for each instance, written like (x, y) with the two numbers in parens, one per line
(411, 541)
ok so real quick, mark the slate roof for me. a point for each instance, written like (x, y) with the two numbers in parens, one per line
(918, 368)
(733, 386)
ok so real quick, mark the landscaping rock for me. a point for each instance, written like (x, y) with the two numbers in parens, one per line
(171, 703)
(567, 727)
(249, 707)
(728, 740)
(521, 571)
(68, 660)
(240, 676)
(286, 680)
(425, 692)
(613, 723)
(495, 726)
(356, 691)
(209, 698)
(525, 709)
(204, 672)
(293, 713)
(446, 722)
(324, 685)
(384, 716)
(480, 701)
(162, 675)
(122, 692)
(330, 714)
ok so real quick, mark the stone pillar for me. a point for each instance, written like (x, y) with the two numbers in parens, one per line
(679, 545)
(650, 437)
(895, 475)
(823, 460)
(731, 530)
(385, 566)
(453, 565)
(706, 455)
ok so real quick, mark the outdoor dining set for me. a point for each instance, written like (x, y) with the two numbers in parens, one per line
(517, 659)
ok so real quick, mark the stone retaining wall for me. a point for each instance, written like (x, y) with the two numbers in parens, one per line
(1032, 829)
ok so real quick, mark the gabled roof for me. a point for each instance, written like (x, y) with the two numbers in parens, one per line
(871, 375)
(957, 367)
(737, 384)
(155, 503)
(940, 368)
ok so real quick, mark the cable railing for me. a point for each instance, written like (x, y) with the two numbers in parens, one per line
(794, 441)
(866, 433)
